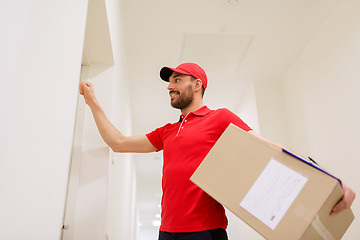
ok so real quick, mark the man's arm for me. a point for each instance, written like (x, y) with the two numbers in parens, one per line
(111, 135)
(349, 195)
(252, 132)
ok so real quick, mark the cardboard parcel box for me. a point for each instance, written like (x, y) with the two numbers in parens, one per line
(277, 194)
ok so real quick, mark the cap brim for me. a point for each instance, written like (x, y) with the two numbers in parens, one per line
(165, 73)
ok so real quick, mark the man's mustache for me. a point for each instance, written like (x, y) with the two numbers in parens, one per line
(174, 92)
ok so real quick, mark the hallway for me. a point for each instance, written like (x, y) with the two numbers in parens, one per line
(289, 69)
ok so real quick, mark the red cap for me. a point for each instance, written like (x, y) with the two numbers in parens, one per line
(186, 68)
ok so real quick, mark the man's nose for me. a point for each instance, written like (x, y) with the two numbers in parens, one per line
(170, 86)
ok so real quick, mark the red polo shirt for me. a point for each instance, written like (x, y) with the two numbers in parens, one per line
(184, 206)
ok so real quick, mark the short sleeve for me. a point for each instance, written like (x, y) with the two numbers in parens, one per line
(155, 137)
(227, 117)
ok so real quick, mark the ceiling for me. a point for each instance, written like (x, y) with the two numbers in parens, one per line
(237, 42)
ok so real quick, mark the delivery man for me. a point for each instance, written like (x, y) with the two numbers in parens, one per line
(187, 212)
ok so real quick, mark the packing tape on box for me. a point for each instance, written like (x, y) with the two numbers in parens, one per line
(321, 229)
(304, 213)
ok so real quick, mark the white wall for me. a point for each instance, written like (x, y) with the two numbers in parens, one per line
(322, 98)
(122, 179)
(103, 204)
(91, 196)
(39, 72)
(41, 51)
(271, 111)
(247, 109)
(105, 196)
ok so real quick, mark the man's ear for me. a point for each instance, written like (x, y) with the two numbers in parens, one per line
(198, 84)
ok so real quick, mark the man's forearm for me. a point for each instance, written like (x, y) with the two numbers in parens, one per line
(110, 134)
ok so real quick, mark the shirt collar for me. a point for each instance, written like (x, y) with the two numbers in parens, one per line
(203, 111)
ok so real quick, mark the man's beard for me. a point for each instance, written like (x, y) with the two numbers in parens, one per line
(184, 100)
